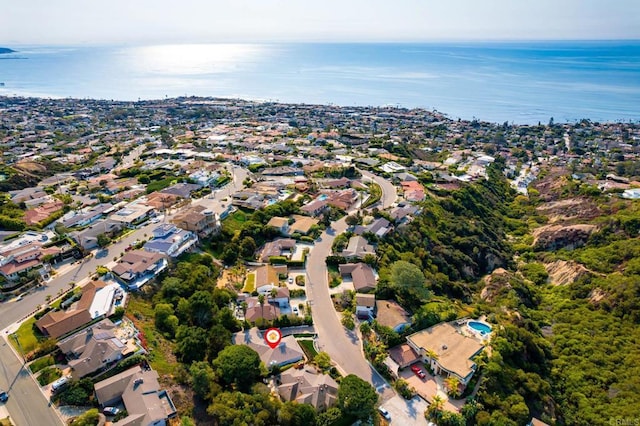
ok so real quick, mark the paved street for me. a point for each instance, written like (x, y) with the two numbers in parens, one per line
(389, 192)
(343, 346)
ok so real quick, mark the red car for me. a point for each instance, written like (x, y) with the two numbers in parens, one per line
(418, 371)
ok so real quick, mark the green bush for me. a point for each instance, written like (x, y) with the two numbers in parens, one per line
(41, 363)
(48, 375)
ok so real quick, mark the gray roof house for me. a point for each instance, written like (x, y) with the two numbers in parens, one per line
(358, 247)
(307, 386)
(287, 352)
(140, 393)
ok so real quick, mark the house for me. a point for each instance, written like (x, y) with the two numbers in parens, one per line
(265, 311)
(362, 275)
(447, 351)
(357, 248)
(181, 190)
(133, 214)
(88, 237)
(137, 267)
(287, 352)
(365, 305)
(96, 300)
(198, 219)
(537, 422)
(42, 212)
(315, 208)
(302, 224)
(85, 217)
(379, 227)
(140, 392)
(403, 355)
(390, 314)
(23, 254)
(266, 276)
(308, 386)
(279, 223)
(170, 240)
(343, 182)
(92, 349)
(280, 247)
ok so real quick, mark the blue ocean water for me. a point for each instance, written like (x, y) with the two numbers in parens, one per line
(520, 82)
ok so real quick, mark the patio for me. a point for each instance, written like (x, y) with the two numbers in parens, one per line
(431, 386)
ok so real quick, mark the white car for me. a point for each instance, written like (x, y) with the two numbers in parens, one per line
(295, 310)
(384, 413)
(290, 280)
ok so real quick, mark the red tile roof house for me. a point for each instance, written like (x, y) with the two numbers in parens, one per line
(22, 259)
(40, 213)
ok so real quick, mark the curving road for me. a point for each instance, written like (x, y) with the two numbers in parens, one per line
(389, 192)
(342, 345)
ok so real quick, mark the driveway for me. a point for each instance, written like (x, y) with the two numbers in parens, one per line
(405, 412)
(429, 387)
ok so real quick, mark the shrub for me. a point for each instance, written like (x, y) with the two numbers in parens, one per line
(48, 375)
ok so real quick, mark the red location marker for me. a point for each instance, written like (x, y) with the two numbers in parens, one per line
(272, 336)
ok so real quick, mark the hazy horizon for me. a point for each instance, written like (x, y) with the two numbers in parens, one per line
(144, 22)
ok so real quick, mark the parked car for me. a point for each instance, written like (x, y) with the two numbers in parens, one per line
(59, 384)
(3, 396)
(290, 280)
(295, 310)
(418, 371)
(384, 413)
(110, 411)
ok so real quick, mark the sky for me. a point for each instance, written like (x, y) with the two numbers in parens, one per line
(90, 22)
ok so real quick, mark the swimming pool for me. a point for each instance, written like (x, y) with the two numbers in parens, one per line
(479, 327)
(323, 197)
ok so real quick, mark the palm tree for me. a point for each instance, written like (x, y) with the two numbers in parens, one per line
(261, 302)
(435, 408)
(453, 383)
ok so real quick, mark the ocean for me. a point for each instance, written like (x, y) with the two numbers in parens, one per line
(518, 82)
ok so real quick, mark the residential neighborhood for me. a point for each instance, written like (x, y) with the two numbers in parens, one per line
(152, 237)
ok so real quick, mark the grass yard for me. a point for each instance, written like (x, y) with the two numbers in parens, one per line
(41, 363)
(235, 221)
(249, 284)
(335, 279)
(308, 348)
(27, 337)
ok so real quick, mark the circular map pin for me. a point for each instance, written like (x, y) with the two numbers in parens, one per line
(273, 336)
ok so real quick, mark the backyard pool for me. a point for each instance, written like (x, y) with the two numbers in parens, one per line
(481, 328)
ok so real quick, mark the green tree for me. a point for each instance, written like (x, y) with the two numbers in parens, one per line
(322, 360)
(103, 240)
(294, 414)
(89, 418)
(329, 417)
(165, 320)
(356, 397)
(191, 344)
(237, 365)
(408, 277)
(202, 377)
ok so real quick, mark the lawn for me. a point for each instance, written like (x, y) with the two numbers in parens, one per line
(235, 221)
(27, 337)
(335, 279)
(308, 348)
(249, 284)
(158, 185)
(41, 363)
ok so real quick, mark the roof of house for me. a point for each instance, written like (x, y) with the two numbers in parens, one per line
(99, 350)
(136, 262)
(358, 247)
(287, 352)
(255, 311)
(366, 300)
(453, 349)
(140, 393)
(390, 314)
(403, 354)
(278, 222)
(275, 248)
(307, 386)
(75, 344)
(302, 224)
(362, 275)
(266, 275)
(57, 323)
